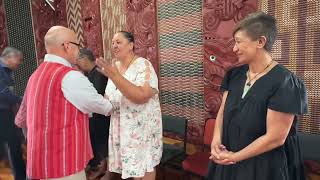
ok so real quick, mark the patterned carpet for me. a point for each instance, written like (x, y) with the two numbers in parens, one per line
(162, 173)
(5, 172)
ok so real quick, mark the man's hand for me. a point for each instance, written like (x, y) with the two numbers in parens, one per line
(25, 133)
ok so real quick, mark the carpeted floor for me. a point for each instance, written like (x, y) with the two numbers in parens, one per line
(162, 173)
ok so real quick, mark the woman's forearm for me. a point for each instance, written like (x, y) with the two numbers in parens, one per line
(261, 145)
(278, 127)
(217, 133)
(136, 94)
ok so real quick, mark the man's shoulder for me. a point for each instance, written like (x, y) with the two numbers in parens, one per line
(74, 73)
(2, 70)
(3, 73)
(2, 67)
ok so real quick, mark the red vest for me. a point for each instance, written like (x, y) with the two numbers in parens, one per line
(58, 133)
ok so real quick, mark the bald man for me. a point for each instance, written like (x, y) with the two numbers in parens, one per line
(55, 111)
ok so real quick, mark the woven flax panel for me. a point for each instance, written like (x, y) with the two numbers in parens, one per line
(181, 62)
(298, 48)
(75, 19)
(113, 19)
(21, 36)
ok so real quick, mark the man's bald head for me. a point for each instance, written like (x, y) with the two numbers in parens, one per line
(61, 41)
(57, 35)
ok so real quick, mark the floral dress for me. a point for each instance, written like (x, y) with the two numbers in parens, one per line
(135, 138)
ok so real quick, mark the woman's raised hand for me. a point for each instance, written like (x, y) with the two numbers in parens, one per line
(107, 68)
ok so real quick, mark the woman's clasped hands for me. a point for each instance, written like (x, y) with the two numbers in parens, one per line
(220, 155)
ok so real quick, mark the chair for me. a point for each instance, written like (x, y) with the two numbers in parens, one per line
(310, 148)
(197, 163)
(176, 126)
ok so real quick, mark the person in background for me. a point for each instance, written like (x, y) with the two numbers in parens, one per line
(99, 124)
(135, 139)
(55, 109)
(255, 135)
(10, 60)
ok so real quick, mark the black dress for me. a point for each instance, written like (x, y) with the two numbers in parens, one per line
(245, 120)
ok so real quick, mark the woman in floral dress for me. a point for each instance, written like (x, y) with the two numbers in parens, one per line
(135, 140)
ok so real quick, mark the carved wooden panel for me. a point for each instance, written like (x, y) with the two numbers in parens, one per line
(44, 18)
(141, 20)
(3, 27)
(91, 22)
(219, 18)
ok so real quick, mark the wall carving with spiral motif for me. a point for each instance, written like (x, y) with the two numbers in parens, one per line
(81, 16)
(219, 18)
(91, 24)
(44, 18)
(141, 21)
(3, 28)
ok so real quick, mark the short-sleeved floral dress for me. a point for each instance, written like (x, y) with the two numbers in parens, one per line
(135, 137)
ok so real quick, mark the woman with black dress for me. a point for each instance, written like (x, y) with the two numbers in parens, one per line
(255, 134)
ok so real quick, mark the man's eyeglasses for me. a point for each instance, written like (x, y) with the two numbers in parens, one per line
(77, 44)
(80, 57)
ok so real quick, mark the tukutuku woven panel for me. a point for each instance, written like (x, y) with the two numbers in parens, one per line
(298, 48)
(74, 18)
(113, 19)
(21, 36)
(181, 62)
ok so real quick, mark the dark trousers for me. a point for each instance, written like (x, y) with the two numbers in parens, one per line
(10, 136)
(99, 134)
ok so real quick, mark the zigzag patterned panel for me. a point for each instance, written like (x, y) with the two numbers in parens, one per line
(113, 19)
(74, 18)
